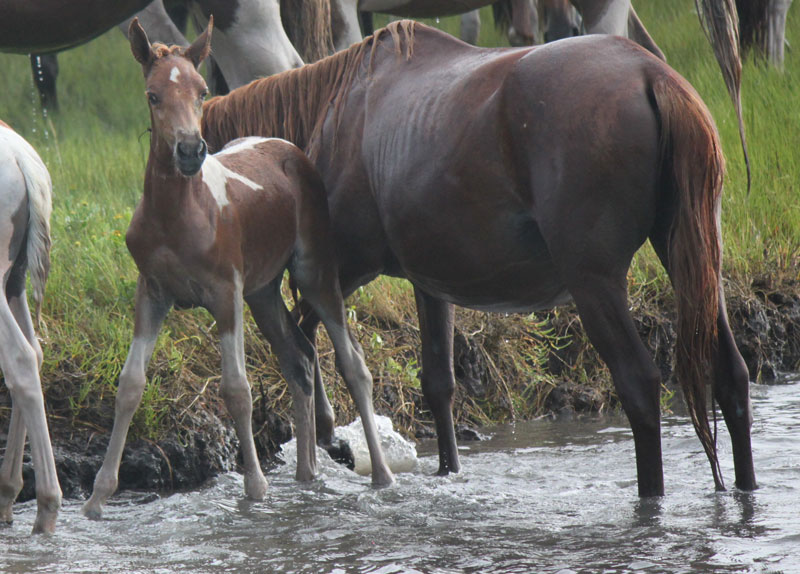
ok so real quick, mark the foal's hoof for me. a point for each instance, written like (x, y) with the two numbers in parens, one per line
(45, 523)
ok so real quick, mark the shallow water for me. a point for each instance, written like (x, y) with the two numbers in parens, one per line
(537, 497)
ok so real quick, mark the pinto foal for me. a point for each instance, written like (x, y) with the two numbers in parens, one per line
(218, 231)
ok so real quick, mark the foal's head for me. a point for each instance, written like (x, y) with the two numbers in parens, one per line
(175, 92)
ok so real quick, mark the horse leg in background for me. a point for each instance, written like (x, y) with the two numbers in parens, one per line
(297, 359)
(324, 418)
(471, 27)
(639, 34)
(438, 379)
(45, 73)
(776, 30)
(228, 311)
(367, 25)
(149, 316)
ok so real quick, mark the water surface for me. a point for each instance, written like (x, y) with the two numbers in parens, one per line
(544, 496)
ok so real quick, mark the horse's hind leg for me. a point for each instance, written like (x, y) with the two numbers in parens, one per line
(20, 366)
(603, 307)
(732, 392)
(731, 383)
(297, 358)
(11, 470)
(438, 379)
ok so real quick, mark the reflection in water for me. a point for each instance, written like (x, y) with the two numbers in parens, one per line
(537, 497)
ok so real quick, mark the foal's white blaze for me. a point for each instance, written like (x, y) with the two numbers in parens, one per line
(174, 73)
(216, 176)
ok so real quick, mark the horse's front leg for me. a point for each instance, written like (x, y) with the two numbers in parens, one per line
(151, 309)
(235, 390)
(438, 379)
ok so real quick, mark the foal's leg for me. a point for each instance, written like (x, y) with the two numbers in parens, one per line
(324, 418)
(235, 389)
(324, 295)
(603, 307)
(19, 362)
(150, 314)
(438, 379)
(297, 358)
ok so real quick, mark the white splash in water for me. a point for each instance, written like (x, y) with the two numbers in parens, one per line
(400, 454)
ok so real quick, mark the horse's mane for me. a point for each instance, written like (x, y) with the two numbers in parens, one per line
(293, 105)
(308, 26)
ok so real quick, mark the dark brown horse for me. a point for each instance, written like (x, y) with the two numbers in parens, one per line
(543, 196)
(217, 232)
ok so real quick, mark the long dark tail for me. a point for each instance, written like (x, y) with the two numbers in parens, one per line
(692, 160)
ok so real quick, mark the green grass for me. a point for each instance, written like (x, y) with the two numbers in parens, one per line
(96, 151)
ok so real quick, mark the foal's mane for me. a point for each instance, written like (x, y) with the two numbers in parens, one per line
(293, 105)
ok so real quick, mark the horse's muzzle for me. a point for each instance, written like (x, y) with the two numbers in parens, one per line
(190, 155)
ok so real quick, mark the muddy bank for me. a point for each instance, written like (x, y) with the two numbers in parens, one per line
(506, 368)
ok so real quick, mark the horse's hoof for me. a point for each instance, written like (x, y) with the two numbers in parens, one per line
(45, 523)
(92, 511)
(255, 487)
(382, 478)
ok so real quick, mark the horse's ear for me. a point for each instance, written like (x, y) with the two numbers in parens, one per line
(140, 45)
(201, 47)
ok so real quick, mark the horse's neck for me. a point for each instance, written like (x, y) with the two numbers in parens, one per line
(166, 191)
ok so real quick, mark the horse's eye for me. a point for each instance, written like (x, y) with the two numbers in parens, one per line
(204, 94)
(152, 98)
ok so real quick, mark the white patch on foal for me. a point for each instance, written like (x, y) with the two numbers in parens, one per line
(242, 144)
(174, 73)
(216, 176)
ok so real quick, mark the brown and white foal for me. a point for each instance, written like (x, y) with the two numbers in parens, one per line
(218, 231)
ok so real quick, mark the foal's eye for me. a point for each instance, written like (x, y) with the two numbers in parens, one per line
(152, 98)
(204, 94)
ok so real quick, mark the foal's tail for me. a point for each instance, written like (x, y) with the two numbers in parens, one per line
(693, 164)
(39, 186)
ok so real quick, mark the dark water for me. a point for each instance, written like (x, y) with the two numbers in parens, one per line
(554, 497)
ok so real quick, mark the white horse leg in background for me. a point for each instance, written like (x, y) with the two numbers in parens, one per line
(158, 24)
(471, 27)
(249, 42)
(776, 30)
(346, 28)
(25, 206)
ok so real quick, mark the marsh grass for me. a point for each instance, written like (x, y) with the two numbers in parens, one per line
(96, 150)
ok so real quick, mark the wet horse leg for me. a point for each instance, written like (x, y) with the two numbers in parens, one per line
(324, 295)
(150, 314)
(19, 363)
(732, 392)
(731, 382)
(324, 418)
(11, 470)
(603, 307)
(234, 388)
(297, 359)
(438, 379)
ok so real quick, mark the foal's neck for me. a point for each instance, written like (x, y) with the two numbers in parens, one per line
(165, 188)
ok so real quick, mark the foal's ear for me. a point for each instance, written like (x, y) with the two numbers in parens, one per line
(140, 45)
(201, 47)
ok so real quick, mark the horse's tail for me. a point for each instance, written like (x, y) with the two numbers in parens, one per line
(693, 164)
(39, 186)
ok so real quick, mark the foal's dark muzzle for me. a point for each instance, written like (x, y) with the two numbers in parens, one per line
(190, 155)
